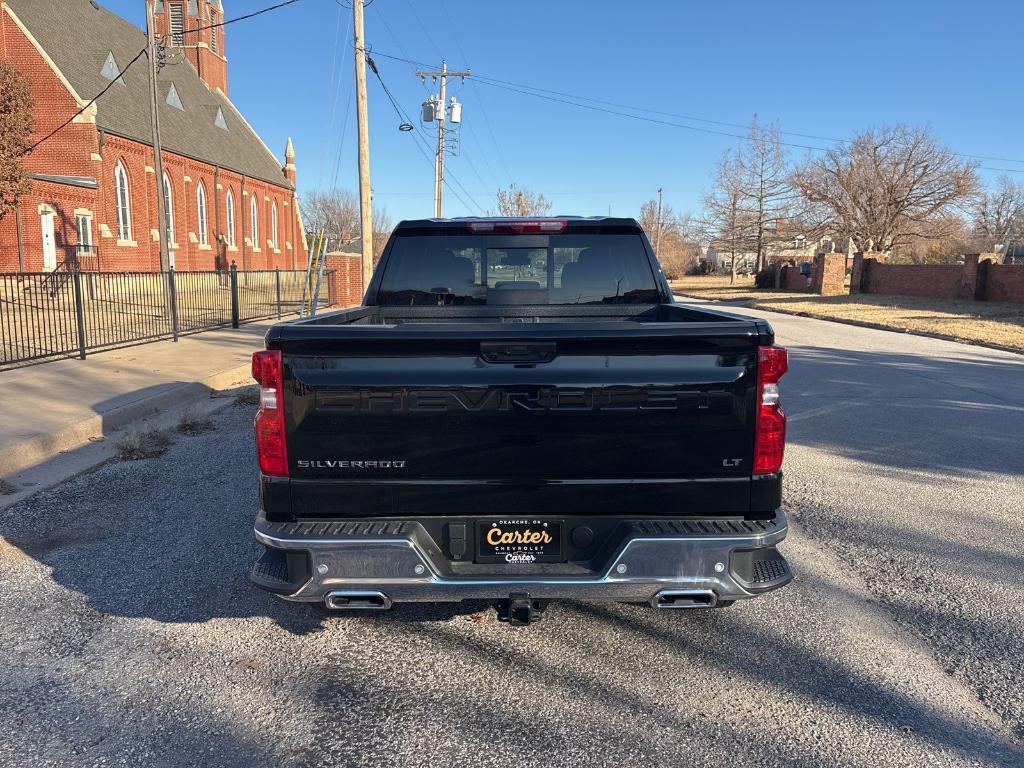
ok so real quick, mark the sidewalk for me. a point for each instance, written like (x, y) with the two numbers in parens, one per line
(55, 408)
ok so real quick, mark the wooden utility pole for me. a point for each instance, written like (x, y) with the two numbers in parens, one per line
(657, 240)
(365, 192)
(442, 112)
(158, 156)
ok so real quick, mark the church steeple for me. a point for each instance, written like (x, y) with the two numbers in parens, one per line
(193, 26)
(289, 162)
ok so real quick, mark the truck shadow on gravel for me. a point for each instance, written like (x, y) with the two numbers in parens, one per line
(170, 538)
(813, 673)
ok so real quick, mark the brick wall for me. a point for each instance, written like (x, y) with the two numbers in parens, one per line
(791, 279)
(347, 279)
(979, 277)
(939, 280)
(1004, 282)
(68, 153)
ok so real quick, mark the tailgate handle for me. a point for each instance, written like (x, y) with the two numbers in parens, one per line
(518, 352)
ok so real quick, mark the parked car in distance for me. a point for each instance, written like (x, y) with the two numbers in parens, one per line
(560, 428)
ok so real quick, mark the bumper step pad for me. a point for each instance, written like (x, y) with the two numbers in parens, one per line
(761, 569)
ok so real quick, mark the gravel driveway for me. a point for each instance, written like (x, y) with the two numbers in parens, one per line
(129, 634)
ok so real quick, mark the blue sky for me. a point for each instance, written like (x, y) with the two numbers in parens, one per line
(822, 68)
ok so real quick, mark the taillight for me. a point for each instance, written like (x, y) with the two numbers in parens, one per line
(270, 432)
(519, 226)
(770, 429)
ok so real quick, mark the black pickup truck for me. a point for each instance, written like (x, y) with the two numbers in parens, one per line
(520, 412)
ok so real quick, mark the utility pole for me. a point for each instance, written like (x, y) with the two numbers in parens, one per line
(657, 240)
(365, 193)
(158, 155)
(444, 74)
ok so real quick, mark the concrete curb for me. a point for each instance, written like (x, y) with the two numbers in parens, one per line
(39, 449)
(753, 304)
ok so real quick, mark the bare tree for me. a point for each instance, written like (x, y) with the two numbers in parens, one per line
(16, 123)
(519, 201)
(765, 188)
(732, 228)
(950, 237)
(887, 187)
(336, 213)
(382, 228)
(999, 215)
(680, 244)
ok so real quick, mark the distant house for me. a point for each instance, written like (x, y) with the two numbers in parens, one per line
(1013, 253)
(796, 248)
(94, 189)
(720, 258)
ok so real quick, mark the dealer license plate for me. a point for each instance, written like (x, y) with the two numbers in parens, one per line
(519, 540)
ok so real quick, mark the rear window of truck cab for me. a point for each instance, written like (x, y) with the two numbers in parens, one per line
(446, 269)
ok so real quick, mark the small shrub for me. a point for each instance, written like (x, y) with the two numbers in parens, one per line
(143, 445)
(765, 278)
(6, 489)
(192, 424)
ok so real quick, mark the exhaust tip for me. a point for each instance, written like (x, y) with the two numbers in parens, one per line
(357, 601)
(685, 598)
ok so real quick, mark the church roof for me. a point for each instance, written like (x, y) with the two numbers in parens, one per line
(81, 37)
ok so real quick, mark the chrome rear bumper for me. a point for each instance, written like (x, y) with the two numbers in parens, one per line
(375, 564)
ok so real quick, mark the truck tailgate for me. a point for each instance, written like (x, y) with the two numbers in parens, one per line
(636, 419)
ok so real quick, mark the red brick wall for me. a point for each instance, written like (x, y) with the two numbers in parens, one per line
(347, 279)
(791, 279)
(1004, 282)
(938, 280)
(67, 153)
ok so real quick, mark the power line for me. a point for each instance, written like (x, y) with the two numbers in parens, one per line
(88, 104)
(334, 89)
(237, 19)
(468, 128)
(658, 121)
(344, 134)
(138, 56)
(404, 117)
(551, 95)
(476, 92)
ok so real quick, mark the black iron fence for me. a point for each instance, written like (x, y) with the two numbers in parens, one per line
(65, 313)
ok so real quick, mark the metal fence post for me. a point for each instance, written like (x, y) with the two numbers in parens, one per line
(172, 285)
(234, 295)
(76, 278)
(277, 284)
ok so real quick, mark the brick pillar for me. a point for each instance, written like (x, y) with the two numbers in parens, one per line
(346, 279)
(828, 276)
(967, 285)
(857, 274)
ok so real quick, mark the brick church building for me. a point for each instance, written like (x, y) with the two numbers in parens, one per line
(94, 188)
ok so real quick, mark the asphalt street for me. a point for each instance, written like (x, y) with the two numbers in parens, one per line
(129, 634)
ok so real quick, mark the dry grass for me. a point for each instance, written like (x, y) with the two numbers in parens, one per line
(143, 445)
(194, 424)
(249, 396)
(705, 282)
(977, 322)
